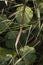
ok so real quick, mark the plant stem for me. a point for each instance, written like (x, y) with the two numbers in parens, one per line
(19, 34)
(28, 34)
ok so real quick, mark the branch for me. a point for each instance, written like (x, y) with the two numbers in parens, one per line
(19, 34)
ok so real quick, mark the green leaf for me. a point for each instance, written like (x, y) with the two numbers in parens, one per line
(6, 55)
(27, 16)
(4, 23)
(11, 38)
(4, 52)
(30, 57)
(6, 59)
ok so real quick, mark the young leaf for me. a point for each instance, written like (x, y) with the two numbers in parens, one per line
(27, 16)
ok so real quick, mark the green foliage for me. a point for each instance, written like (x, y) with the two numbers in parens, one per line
(6, 59)
(27, 15)
(11, 38)
(30, 57)
(4, 23)
(12, 19)
(4, 52)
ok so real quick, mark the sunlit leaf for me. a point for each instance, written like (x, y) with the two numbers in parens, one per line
(30, 57)
(27, 16)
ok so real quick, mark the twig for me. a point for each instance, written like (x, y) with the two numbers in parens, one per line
(36, 44)
(38, 33)
(22, 57)
(36, 7)
(28, 34)
(40, 30)
(19, 34)
(17, 40)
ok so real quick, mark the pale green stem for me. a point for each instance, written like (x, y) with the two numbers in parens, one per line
(28, 34)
